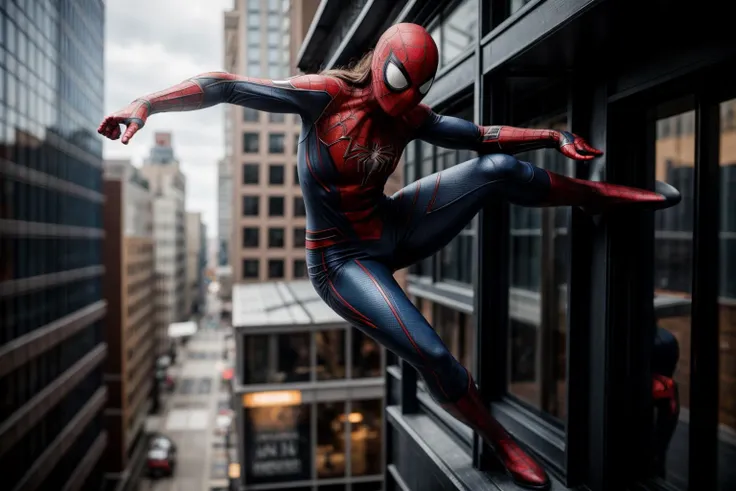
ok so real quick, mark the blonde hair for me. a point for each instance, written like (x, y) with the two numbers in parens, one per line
(357, 73)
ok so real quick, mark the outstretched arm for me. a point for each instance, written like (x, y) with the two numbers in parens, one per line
(306, 95)
(451, 132)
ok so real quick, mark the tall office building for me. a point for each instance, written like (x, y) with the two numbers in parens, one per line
(267, 227)
(52, 348)
(129, 290)
(168, 186)
(196, 262)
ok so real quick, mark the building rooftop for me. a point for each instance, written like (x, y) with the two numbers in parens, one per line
(282, 303)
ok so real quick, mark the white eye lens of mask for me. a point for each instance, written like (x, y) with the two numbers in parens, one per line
(426, 86)
(395, 79)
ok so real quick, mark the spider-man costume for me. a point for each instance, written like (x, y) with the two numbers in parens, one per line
(351, 140)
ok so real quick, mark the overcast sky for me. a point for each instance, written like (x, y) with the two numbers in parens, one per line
(151, 45)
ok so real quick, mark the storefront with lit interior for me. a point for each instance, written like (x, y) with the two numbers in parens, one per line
(557, 313)
(307, 393)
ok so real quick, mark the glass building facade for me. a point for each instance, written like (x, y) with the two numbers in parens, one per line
(565, 321)
(51, 308)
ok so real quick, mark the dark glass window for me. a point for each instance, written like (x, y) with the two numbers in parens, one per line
(250, 142)
(299, 237)
(299, 209)
(251, 173)
(542, 388)
(331, 429)
(255, 358)
(276, 143)
(250, 237)
(293, 357)
(366, 422)
(455, 30)
(300, 268)
(457, 330)
(251, 206)
(276, 174)
(249, 114)
(673, 260)
(275, 237)
(366, 356)
(275, 206)
(275, 268)
(250, 268)
(330, 354)
(276, 117)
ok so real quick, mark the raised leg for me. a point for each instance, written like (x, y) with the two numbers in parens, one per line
(365, 293)
(431, 211)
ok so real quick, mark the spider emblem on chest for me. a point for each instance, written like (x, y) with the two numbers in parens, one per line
(371, 158)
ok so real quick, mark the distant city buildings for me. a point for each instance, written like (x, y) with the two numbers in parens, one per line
(196, 262)
(168, 186)
(129, 289)
(52, 310)
(267, 232)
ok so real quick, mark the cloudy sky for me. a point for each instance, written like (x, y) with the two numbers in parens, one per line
(151, 45)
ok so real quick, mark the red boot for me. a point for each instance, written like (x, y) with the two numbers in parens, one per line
(522, 468)
(597, 197)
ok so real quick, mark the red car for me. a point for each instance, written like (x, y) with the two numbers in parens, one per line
(161, 458)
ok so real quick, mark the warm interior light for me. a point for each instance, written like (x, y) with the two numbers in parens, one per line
(233, 470)
(275, 398)
(353, 418)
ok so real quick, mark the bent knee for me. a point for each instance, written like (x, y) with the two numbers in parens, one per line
(502, 167)
(438, 357)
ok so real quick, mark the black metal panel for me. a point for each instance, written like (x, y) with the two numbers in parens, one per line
(452, 81)
(587, 117)
(492, 278)
(704, 336)
(519, 33)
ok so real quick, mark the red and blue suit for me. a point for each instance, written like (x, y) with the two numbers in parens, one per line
(351, 141)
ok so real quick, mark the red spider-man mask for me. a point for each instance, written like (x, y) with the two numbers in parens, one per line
(404, 64)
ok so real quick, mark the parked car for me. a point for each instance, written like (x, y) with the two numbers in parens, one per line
(161, 458)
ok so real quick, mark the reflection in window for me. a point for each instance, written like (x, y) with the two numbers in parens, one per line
(255, 360)
(674, 164)
(366, 356)
(330, 354)
(455, 30)
(366, 421)
(293, 358)
(276, 143)
(250, 142)
(538, 237)
(331, 440)
(727, 300)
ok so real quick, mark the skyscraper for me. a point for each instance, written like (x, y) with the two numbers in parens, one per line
(196, 261)
(168, 186)
(130, 326)
(268, 215)
(52, 311)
